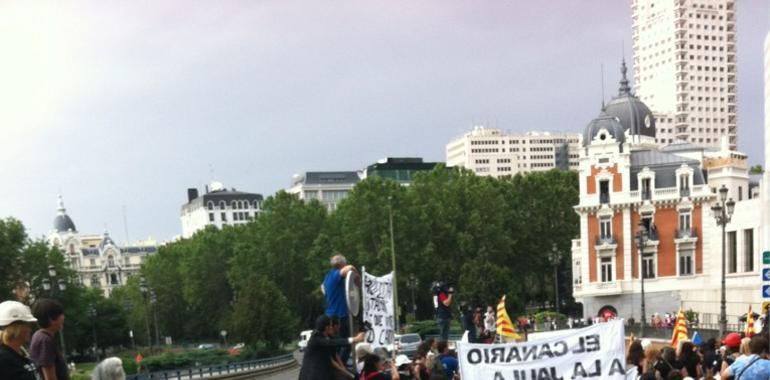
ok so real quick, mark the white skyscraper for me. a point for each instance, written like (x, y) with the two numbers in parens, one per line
(684, 68)
(765, 188)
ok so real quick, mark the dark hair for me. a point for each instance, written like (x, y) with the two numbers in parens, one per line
(635, 353)
(370, 363)
(46, 310)
(321, 322)
(335, 320)
(668, 354)
(758, 345)
(442, 346)
(425, 346)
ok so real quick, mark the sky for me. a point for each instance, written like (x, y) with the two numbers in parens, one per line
(125, 104)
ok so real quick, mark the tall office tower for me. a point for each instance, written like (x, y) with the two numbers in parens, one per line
(684, 68)
(765, 188)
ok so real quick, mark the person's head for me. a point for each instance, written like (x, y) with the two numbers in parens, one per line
(732, 340)
(335, 320)
(758, 345)
(651, 354)
(109, 369)
(686, 350)
(674, 375)
(373, 363)
(490, 309)
(49, 314)
(15, 323)
(744, 349)
(668, 354)
(338, 261)
(363, 349)
(323, 324)
(635, 353)
(442, 347)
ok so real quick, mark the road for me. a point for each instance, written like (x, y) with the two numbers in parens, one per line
(291, 374)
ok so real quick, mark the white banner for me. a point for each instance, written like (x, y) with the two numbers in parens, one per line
(378, 309)
(594, 352)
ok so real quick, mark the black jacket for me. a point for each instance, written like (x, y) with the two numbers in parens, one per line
(317, 360)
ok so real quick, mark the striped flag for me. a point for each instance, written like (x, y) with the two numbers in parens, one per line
(504, 326)
(749, 323)
(680, 328)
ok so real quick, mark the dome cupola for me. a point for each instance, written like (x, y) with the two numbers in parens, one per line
(62, 222)
(632, 113)
(602, 128)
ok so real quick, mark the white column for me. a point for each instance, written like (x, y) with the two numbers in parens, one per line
(628, 241)
(584, 241)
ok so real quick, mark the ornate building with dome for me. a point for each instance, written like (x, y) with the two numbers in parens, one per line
(98, 261)
(628, 184)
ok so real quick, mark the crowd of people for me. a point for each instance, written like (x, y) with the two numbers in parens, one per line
(25, 355)
(736, 358)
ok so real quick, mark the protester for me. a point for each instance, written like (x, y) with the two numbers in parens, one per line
(340, 371)
(336, 303)
(449, 362)
(109, 369)
(710, 357)
(651, 357)
(690, 360)
(753, 366)
(444, 311)
(15, 330)
(468, 325)
(668, 362)
(316, 363)
(362, 349)
(405, 369)
(490, 324)
(421, 368)
(43, 350)
(374, 369)
(732, 343)
(635, 358)
(744, 347)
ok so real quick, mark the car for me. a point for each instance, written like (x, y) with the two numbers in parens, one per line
(303, 338)
(407, 344)
(207, 346)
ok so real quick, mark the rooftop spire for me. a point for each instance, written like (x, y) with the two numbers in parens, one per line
(61, 208)
(624, 88)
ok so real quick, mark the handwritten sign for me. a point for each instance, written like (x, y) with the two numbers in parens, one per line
(378, 309)
(594, 352)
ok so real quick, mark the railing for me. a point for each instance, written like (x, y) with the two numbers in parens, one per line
(214, 370)
(604, 198)
(686, 233)
(684, 192)
(666, 191)
(601, 240)
(646, 195)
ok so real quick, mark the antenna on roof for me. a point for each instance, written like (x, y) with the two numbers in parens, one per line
(602, 68)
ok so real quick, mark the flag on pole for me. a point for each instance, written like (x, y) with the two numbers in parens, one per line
(680, 328)
(749, 323)
(504, 326)
(696, 339)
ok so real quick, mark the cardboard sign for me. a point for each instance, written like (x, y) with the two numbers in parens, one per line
(378, 309)
(594, 352)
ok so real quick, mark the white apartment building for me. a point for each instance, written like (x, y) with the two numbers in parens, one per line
(685, 68)
(329, 188)
(766, 178)
(497, 153)
(218, 207)
(98, 261)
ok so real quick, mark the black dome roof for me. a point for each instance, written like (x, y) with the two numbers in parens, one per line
(632, 113)
(63, 223)
(605, 122)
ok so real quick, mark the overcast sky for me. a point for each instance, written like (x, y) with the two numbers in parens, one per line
(128, 103)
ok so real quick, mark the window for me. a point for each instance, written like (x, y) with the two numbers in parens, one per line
(646, 189)
(684, 185)
(748, 250)
(648, 265)
(685, 263)
(605, 228)
(95, 281)
(114, 279)
(604, 192)
(732, 252)
(685, 221)
(740, 193)
(110, 261)
(72, 248)
(606, 269)
(222, 205)
(223, 216)
(210, 205)
(211, 217)
(92, 262)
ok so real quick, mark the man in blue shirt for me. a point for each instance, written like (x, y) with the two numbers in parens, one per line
(336, 304)
(751, 367)
(449, 362)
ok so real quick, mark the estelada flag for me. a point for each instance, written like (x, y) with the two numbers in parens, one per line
(749, 323)
(680, 328)
(504, 326)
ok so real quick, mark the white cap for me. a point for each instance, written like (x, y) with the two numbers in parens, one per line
(12, 311)
(363, 349)
(401, 360)
(646, 343)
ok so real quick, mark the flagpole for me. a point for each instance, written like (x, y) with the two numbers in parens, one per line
(393, 258)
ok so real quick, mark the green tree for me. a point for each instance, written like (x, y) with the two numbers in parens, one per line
(262, 314)
(756, 169)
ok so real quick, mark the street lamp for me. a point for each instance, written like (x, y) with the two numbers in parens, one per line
(555, 257)
(92, 314)
(723, 212)
(143, 289)
(128, 306)
(154, 302)
(51, 285)
(412, 284)
(641, 242)
(393, 258)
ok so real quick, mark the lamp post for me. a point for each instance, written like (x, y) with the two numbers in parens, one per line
(723, 212)
(555, 258)
(143, 289)
(412, 284)
(641, 242)
(393, 258)
(51, 285)
(154, 302)
(92, 314)
(128, 306)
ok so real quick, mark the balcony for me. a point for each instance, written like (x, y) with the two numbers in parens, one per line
(646, 195)
(604, 198)
(598, 289)
(683, 234)
(606, 240)
(684, 192)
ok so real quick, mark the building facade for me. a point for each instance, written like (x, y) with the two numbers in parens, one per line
(766, 177)
(685, 68)
(400, 169)
(329, 188)
(627, 181)
(218, 207)
(96, 259)
(496, 153)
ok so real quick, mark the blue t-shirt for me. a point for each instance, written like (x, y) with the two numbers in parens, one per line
(334, 289)
(451, 365)
(758, 370)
